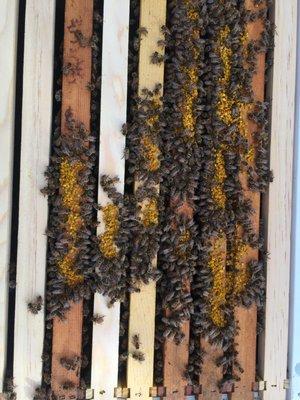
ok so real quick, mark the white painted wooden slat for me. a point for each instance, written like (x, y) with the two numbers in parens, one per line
(8, 47)
(105, 345)
(279, 201)
(33, 206)
(294, 335)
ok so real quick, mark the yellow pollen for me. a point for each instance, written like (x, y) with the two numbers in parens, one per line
(72, 193)
(224, 108)
(220, 172)
(149, 215)
(250, 156)
(151, 153)
(219, 287)
(107, 240)
(66, 267)
(241, 269)
(219, 196)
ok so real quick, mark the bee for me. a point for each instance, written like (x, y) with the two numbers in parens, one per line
(68, 385)
(70, 364)
(161, 43)
(35, 305)
(157, 58)
(136, 341)
(139, 356)
(98, 319)
(73, 69)
(142, 31)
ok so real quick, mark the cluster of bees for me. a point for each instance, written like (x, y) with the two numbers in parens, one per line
(187, 147)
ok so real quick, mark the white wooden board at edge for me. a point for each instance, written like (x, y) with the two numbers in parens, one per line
(105, 345)
(33, 208)
(294, 342)
(8, 50)
(279, 201)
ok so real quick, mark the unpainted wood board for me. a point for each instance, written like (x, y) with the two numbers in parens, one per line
(142, 304)
(247, 318)
(67, 344)
(176, 358)
(67, 335)
(33, 206)
(8, 48)
(105, 345)
(211, 374)
(278, 202)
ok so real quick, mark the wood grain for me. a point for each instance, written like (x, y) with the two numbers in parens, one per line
(247, 318)
(8, 47)
(33, 206)
(142, 304)
(105, 345)
(75, 95)
(210, 374)
(175, 361)
(277, 207)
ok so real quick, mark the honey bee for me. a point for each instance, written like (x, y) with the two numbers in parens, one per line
(136, 341)
(35, 305)
(139, 356)
(98, 319)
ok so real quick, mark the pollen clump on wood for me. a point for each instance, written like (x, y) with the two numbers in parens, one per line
(241, 276)
(66, 267)
(71, 200)
(190, 96)
(151, 153)
(71, 194)
(111, 222)
(218, 193)
(150, 213)
(219, 286)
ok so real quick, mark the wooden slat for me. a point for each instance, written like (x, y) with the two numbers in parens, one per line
(278, 214)
(142, 304)
(211, 375)
(176, 358)
(247, 318)
(8, 47)
(33, 206)
(105, 346)
(294, 331)
(75, 95)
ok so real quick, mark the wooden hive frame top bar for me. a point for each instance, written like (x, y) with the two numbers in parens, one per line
(142, 304)
(67, 334)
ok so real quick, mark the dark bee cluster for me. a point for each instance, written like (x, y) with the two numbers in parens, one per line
(192, 163)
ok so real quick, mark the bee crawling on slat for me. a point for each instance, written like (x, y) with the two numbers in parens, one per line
(35, 305)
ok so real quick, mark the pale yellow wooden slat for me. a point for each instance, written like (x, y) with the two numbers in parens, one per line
(142, 304)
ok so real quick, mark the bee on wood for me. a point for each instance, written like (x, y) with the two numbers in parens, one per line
(136, 341)
(67, 385)
(139, 356)
(70, 364)
(142, 31)
(98, 319)
(157, 58)
(35, 305)
(72, 69)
